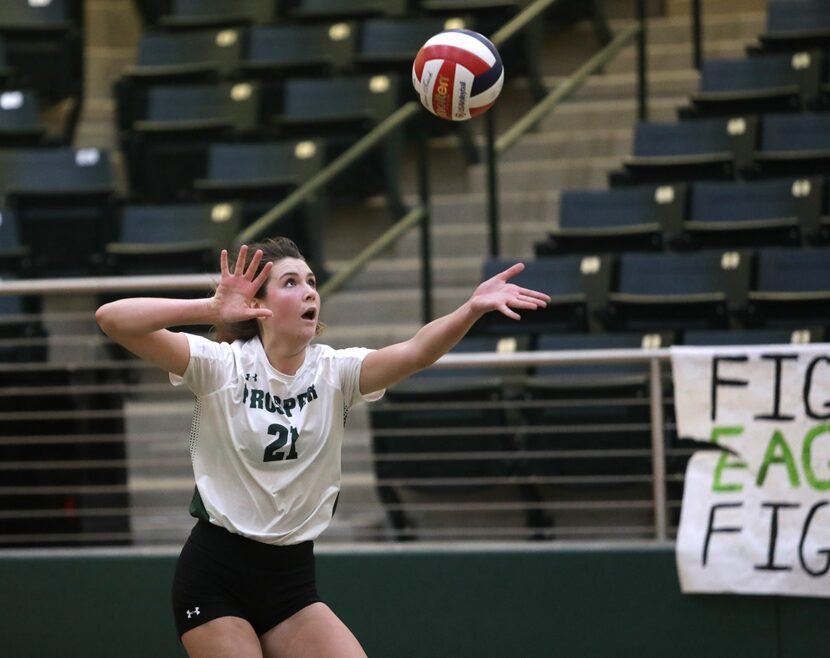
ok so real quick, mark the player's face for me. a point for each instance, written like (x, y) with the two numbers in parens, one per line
(293, 298)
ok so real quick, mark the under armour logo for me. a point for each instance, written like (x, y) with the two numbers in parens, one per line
(190, 613)
(249, 376)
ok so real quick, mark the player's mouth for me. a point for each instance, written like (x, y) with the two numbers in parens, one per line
(310, 315)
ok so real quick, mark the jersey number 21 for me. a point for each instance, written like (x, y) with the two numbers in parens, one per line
(273, 451)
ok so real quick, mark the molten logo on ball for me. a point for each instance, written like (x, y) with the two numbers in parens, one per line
(458, 74)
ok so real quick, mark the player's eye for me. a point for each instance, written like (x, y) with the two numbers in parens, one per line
(290, 283)
(312, 282)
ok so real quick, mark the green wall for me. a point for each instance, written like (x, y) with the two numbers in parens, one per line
(403, 603)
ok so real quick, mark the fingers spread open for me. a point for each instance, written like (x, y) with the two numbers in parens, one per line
(512, 271)
(262, 277)
(524, 303)
(527, 292)
(505, 310)
(223, 262)
(249, 273)
(239, 269)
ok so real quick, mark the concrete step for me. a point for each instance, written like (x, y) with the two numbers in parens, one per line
(621, 114)
(539, 175)
(360, 309)
(471, 207)
(517, 235)
(586, 143)
(711, 8)
(675, 56)
(741, 26)
(396, 273)
(341, 333)
(612, 86)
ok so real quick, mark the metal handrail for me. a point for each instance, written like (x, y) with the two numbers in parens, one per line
(497, 146)
(395, 121)
(563, 91)
(651, 356)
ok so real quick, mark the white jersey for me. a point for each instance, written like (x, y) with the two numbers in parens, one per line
(265, 445)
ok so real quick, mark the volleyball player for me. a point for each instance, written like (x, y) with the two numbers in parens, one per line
(265, 441)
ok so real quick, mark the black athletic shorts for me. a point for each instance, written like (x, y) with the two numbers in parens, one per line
(222, 574)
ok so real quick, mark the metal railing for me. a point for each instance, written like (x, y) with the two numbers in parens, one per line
(497, 146)
(101, 458)
(417, 216)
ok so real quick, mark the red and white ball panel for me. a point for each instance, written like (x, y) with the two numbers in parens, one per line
(458, 74)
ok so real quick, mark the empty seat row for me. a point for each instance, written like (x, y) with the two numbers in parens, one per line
(41, 57)
(775, 212)
(168, 146)
(533, 435)
(272, 51)
(59, 197)
(767, 287)
(188, 14)
(795, 25)
(764, 83)
(778, 144)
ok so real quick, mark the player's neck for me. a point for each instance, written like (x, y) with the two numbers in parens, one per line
(285, 357)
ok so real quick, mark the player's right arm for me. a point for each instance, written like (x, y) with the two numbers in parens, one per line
(140, 323)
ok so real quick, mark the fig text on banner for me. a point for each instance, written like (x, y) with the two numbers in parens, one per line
(755, 517)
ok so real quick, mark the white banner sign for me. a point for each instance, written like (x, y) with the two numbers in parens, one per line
(756, 514)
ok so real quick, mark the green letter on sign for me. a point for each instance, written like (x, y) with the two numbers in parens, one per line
(723, 462)
(806, 458)
(778, 452)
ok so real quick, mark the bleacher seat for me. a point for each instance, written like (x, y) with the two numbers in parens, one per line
(443, 436)
(85, 404)
(14, 255)
(61, 197)
(259, 176)
(621, 219)
(782, 82)
(20, 124)
(520, 56)
(277, 51)
(793, 145)
(746, 214)
(195, 55)
(194, 14)
(689, 150)
(716, 337)
(796, 25)
(326, 10)
(17, 321)
(599, 410)
(7, 74)
(791, 288)
(175, 238)
(389, 45)
(340, 111)
(577, 286)
(166, 147)
(43, 52)
(22, 335)
(655, 291)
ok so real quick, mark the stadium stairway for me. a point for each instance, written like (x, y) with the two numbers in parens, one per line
(573, 148)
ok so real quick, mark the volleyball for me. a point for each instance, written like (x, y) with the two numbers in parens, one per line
(458, 74)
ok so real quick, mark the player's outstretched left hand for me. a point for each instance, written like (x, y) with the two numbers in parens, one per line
(498, 294)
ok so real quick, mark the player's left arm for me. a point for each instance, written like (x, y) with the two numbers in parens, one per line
(384, 367)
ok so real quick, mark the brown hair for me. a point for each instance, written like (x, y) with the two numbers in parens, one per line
(273, 250)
